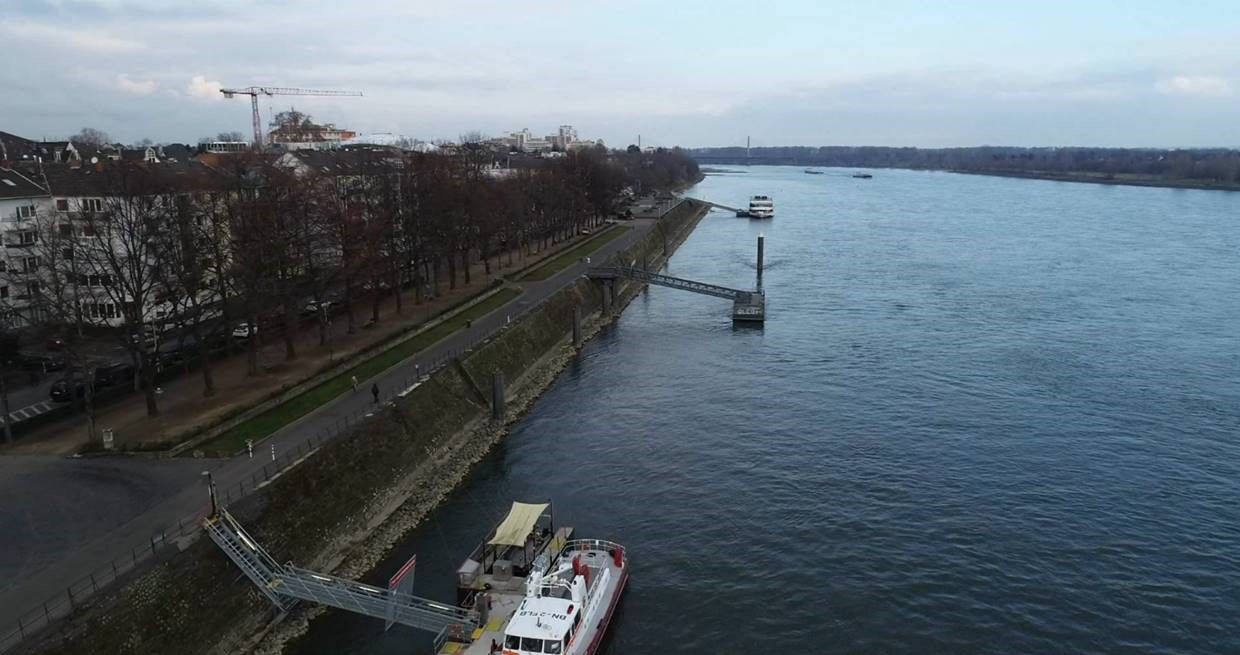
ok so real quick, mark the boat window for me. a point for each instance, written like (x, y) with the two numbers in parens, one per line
(513, 642)
(552, 647)
(531, 645)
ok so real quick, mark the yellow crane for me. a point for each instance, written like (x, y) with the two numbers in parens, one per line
(255, 91)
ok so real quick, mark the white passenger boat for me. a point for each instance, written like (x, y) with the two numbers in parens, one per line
(537, 589)
(759, 207)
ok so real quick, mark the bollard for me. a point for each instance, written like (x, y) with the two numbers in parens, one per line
(273, 452)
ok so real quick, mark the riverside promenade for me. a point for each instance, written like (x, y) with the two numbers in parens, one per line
(45, 557)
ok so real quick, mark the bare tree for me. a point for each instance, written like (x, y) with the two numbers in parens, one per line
(89, 136)
(119, 258)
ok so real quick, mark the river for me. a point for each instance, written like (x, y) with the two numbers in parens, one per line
(984, 415)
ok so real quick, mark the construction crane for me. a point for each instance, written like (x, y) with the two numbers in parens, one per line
(255, 91)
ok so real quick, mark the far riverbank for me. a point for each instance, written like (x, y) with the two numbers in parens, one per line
(1100, 178)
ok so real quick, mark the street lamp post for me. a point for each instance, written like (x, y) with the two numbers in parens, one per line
(211, 492)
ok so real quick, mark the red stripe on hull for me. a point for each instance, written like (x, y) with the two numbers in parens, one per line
(615, 600)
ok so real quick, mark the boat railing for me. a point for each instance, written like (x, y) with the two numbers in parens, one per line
(579, 545)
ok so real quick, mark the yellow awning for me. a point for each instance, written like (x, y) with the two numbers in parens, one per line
(517, 525)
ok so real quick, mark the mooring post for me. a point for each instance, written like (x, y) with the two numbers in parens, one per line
(497, 396)
(760, 240)
(577, 326)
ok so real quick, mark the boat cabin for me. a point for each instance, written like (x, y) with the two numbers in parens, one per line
(524, 540)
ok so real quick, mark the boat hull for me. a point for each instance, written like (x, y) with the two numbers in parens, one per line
(605, 621)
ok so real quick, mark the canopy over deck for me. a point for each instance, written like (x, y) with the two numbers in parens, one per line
(518, 525)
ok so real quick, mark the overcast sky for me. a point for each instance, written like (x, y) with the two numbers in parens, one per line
(1123, 73)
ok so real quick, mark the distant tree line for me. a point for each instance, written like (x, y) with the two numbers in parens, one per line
(1205, 165)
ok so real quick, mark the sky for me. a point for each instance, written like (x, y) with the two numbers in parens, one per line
(1132, 73)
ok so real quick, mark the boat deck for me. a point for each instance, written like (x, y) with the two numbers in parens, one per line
(503, 605)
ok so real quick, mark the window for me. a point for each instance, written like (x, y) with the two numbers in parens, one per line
(88, 230)
(531, 645)
(92, 205)
(4, 266)
(554, 647)
(30, 264)
(65, 230)
(32, 289)
(29, 237)
(513, 642)
(99, 310)
(25, 211)
(4, 292)
(62, 204)
(66, 253)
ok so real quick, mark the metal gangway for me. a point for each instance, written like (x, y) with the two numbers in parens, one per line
(612, 272)
(285, 585)
(714, 205)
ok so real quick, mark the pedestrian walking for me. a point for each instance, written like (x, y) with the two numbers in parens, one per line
(374, 391)
(353, 380)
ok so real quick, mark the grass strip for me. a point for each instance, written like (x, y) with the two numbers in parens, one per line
(568, 258)
(264, 425)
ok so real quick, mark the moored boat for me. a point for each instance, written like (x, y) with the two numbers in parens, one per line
(862, 176)
(759, 207)
(537, 589)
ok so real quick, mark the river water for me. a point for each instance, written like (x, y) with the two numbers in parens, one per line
(984, 415)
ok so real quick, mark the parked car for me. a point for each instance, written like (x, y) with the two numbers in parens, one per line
(315, 306)
(113, 375)
(61, 392)
(244, 330)
(41, 362)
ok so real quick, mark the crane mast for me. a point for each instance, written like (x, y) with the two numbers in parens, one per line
(255, 91)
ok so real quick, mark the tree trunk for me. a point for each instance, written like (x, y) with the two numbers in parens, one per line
(289, 332)
(204, 355)
(451, 272)
(148, 377)
(4, 406)
(251, 350)
(348, 305)
(375, 299)
(398, 289)
(465, 263)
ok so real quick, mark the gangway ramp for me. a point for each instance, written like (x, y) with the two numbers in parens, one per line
(715, 205)
(286, 585)
(747, 306)
(612, 272)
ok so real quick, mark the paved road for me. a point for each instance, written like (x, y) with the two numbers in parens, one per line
(88, 545)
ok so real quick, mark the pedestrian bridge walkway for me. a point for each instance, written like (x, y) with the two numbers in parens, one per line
(747, 306)
(285, 585)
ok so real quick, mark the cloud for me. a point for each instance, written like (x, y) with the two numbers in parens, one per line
(201, 87)
(76, 39)
(1204, 86)
(140, 87)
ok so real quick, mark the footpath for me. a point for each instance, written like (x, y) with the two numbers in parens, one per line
(186, 493)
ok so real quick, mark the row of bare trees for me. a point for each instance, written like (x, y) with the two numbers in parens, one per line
(259, 239)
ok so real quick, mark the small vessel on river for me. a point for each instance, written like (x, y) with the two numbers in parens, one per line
(759, 207)
(537, 590)
(862, 176)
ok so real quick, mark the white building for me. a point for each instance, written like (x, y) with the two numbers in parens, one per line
(22, 200)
